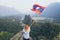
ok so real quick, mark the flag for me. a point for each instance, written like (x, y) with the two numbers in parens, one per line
(37, 8)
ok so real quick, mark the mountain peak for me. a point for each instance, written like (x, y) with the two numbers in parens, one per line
(7, 11)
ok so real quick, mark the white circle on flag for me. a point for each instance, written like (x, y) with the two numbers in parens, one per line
(37, 7)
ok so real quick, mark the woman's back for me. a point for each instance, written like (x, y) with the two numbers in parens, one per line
(26, 32)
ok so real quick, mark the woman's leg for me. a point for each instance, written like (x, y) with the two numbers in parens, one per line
(25, 39)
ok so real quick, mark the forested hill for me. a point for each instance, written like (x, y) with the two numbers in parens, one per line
(9, 27)
(39, 30)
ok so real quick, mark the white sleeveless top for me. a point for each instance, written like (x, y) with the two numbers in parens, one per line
(26, 34)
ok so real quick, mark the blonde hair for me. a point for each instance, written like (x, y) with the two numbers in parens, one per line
(26, 28)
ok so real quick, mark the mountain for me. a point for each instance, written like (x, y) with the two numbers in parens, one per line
(52, 11)
(7, 11)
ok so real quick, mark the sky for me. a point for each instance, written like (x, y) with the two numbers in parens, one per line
(25, 5)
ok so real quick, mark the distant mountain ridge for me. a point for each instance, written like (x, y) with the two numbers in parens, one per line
(52, 11)
(7, 11)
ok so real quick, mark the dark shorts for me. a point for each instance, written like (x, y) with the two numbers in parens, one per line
(25, 39)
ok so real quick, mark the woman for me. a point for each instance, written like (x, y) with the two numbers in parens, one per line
(25, 32)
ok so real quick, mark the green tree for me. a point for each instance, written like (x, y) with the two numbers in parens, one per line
(5, 35)
(48, 30)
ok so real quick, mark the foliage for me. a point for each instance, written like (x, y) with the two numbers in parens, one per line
(5, 35)
(8, 28)
(48, 30)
